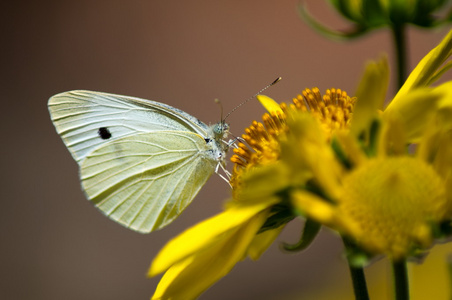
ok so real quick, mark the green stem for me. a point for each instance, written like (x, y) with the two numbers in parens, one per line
(356, 273)
(398, 34)
(401, 280)
(399, 267)
(359, 283)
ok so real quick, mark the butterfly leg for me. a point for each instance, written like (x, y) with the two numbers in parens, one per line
(226, 172)
(232, 143)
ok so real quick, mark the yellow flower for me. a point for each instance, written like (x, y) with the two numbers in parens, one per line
(341, 164)
(255, 217)
(366, 185)
(384, 199)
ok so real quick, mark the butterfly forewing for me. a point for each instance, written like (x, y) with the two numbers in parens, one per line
(80, 117)
(144, 181)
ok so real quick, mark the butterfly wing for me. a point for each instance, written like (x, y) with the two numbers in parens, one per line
(85, 119)
(144, 181)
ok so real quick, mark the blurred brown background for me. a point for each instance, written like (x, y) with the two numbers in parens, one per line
(54, 243)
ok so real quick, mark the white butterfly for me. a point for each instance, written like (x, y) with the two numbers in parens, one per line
(141, 162)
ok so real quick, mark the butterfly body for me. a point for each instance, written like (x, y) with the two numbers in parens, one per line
(141, 162)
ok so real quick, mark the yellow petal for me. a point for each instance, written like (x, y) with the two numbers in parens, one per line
(325, 213)
(446, 67)
(314, 207)
(435, 148)
(203, 235)
(426, 68)
(269, 104)
(169, 277)
(351, 148)
(371, 95)
(262, 182)
(443, 158)
(429, 145)
(392, 140)
(444, 112)
(193, 275)
(415, 110)
(307, 148)
(262, 241)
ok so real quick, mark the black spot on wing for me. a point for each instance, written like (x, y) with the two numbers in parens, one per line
(104, 133)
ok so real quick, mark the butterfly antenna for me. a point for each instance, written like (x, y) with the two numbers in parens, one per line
(252, 97)
(217, 101)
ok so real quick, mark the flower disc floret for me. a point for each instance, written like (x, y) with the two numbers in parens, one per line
(393, 201)
(333, 111)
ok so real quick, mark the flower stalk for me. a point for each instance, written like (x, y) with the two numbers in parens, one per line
(356, 273)
(399, 268)
(401, 53)
(359, 282)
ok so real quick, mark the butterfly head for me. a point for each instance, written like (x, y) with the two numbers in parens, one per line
(216, 138)
(220, 131)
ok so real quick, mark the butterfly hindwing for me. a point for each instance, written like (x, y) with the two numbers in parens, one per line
(145, 180)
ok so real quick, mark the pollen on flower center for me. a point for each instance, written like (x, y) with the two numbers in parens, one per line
(333, 111)
(393, 200)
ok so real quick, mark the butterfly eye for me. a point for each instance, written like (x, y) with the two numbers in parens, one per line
(104, 133)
